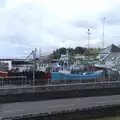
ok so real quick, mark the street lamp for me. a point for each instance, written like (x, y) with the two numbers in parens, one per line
(88, 32)
(103, 34)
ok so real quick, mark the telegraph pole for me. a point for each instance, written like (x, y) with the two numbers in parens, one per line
(103, 34)
(88, 32)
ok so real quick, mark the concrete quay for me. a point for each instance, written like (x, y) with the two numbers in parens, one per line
(18, 110)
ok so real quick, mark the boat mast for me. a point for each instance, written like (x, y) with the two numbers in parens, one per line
(34, 64)
(67, 58)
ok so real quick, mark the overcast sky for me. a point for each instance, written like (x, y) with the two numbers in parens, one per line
(50, 24)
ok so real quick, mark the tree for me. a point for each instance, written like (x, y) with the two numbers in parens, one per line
(92, 52)
(80, 50)
(87, 53)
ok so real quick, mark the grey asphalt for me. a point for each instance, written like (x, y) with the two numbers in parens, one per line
(49, 106)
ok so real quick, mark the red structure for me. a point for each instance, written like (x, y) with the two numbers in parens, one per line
(48, 75)
(3, 74)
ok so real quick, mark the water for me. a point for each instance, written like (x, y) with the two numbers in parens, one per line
(108, 118)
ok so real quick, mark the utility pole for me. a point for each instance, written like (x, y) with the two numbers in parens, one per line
(34, 65)
(88, 32)
(103, 34)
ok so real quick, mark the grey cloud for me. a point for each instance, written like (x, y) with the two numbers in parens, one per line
(112, 16)
(84, 24)
(20, 26)
(73, 33)
(30, 26)
(15, 39)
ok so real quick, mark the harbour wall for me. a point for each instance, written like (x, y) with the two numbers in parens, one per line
(58, 92)
(84, 114)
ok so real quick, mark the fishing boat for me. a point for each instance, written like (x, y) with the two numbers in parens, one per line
(59, 76)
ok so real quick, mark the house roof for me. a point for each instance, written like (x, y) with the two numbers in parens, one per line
(114, 48)
(20, 62)
(111, 48)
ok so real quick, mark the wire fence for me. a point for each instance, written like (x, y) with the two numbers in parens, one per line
(8, 81)
(23, 81)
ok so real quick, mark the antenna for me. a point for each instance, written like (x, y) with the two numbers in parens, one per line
(88, 32)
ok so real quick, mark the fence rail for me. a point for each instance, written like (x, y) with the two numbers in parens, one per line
(13, 80)
(23, 81)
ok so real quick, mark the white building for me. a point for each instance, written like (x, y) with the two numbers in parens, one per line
(64, 58)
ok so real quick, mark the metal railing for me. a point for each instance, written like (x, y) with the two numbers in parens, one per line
(8, 81)
(23, 81)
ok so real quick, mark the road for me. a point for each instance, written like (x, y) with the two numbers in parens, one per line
(26, 108)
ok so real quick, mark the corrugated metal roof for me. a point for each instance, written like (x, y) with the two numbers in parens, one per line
(111, 48)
